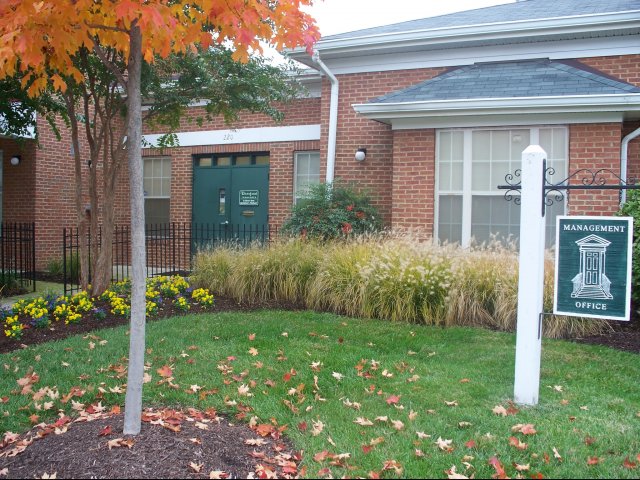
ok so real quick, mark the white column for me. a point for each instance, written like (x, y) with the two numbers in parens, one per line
(531, 278)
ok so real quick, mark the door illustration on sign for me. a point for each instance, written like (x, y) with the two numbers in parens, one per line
(592, 281)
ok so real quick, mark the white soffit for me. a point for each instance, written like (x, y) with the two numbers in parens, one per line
(412, 59)
(243, 135)
(469, 112)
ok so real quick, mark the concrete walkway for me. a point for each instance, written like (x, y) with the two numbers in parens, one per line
(42, 289)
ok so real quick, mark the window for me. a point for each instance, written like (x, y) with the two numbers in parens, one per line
(228, 160)
(472, 163)
(157, 190)
(306, 172)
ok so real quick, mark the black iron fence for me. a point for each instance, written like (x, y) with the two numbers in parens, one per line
(17, 256)
(170, 248)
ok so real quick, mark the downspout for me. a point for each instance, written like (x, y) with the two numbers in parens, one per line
(624, 155)
(333, 117)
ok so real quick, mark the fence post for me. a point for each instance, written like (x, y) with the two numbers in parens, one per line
(531, 277)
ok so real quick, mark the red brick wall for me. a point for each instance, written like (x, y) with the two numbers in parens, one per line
(19, 191)
(280, 181)
(624, 67)
(299, 112)
(355, 131)
(594, 146)
(414, 180)
(627, 69)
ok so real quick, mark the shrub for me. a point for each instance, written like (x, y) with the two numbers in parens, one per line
(333, 210)
(631, 208)
(397, 279)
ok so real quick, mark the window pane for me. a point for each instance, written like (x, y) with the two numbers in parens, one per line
(481, 145)
(450, 218)
(457, 176)
(205, 162)
(243, 160)
(307, 172)
(481, 176)
(501, 145)
(457, 146)
(156, 210)
(223, 161)
(262, 160)
(494, 218)
(444, 144)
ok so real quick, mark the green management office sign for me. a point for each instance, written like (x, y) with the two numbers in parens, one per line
(593, 267)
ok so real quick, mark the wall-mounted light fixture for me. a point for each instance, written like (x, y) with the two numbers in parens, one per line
(15, 160)
(361, 154)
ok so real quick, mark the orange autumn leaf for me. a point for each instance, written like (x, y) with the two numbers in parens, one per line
(165, 371)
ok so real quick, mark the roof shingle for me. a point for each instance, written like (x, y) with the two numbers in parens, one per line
(524, 78)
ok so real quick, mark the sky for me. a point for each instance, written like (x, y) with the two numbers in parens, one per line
(339, 16)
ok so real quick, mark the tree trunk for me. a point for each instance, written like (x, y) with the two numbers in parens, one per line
(133, 400)
(82, 223)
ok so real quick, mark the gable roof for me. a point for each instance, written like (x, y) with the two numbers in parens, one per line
(510, 12)
(525, 78)
(528, 21)
(517, 90)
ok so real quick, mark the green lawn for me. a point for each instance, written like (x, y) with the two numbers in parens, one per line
(439, 383)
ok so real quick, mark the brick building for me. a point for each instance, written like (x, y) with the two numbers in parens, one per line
(443, 107)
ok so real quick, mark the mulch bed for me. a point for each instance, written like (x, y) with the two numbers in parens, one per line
(170, 445)
(221, 451)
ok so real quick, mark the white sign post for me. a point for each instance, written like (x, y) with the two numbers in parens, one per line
(531, 278)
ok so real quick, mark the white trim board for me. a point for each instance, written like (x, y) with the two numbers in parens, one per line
(413, 58)
(243, 135)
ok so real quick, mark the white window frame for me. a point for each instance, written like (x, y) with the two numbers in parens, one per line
(467, 169)
(296, 187)
(158, 197)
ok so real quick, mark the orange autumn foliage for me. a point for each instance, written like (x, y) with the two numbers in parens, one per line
(39, 37)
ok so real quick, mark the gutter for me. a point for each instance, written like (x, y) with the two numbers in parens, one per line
(624, 156)
(333, 117)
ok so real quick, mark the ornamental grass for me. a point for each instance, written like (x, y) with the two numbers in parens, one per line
(392, 278)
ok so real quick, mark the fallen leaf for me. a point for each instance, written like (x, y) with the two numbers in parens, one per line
(593, 461)
(556, 454)
(444, 445)
(499, 468)
(393, 399)
(452, 474)
(196, 467)
(397, 424)
(515, 442)
(165, 371)
(364, 422)
(217, 474)
(105, 431)
(525, 429)
(499, 410)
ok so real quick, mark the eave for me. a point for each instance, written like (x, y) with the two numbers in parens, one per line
(437, 113)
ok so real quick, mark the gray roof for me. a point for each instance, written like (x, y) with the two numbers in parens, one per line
(524, 78)
(511, 12)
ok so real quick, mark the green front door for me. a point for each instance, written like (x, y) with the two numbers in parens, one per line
(230, 198)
